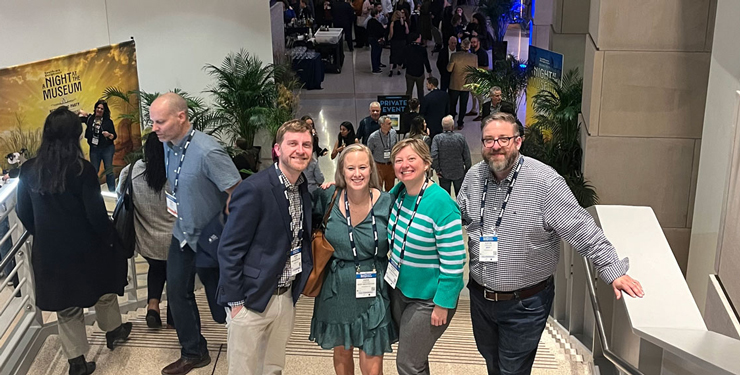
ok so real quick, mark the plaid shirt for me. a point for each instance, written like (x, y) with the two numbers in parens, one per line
(541, 211)
(295, 207)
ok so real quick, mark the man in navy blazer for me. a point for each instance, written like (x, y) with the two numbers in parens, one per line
(264, 253)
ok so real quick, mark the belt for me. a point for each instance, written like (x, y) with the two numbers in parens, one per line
(281, 290)
(520, 294)
(383, 163)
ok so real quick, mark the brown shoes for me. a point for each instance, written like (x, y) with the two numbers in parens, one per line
(183, 366)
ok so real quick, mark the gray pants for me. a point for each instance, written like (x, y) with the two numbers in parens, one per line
(72, 324)
(417, 335)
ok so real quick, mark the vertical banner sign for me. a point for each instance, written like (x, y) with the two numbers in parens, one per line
(545, 65)
(393, 106)
(29, 92)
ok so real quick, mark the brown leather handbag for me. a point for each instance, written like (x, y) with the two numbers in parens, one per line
(322, 252)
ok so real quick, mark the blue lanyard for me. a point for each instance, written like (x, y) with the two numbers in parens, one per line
(179, 167)
(397, 209)
(349, 228)
(506, 198)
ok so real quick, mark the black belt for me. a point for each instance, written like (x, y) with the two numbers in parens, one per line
(281, 290)
(383, 163)
(523, 293)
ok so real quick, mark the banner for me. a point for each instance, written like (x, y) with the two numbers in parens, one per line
(29, 92)
(544, 65)
(393, 106)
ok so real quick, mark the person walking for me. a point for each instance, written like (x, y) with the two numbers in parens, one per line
(450, 156)
(152, 223)
(76, 260)
(376, 39)
(434, 107)
(398, 30)
(349, 313)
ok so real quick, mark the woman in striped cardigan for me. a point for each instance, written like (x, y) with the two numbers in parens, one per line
(427, 257)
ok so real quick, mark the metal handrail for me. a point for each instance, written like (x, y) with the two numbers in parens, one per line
(614, 358)
(16, 248)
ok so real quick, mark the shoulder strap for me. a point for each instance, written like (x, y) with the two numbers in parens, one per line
(331, 207)
(130, 182)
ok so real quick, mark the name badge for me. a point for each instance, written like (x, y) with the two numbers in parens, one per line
(365, 285)
(296, 265)
(488, 249)
(171, 204)
(391, 274)
(386, 154)
(95, 141)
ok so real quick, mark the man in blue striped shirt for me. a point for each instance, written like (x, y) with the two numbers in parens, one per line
(517, 210)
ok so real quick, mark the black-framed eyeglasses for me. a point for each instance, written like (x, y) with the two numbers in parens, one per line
(502, 141)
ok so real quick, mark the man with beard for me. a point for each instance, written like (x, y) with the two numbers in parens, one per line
(514, 246)
(265, 255)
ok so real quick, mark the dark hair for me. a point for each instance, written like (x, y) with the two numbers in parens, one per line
(350, 138)
(413, 104)
(60, 153)
(481, 20)
(508, 107)
(242, 143)
(417, 127)
(433, 81)
(106, 110)
(155, 174)
(307, 117)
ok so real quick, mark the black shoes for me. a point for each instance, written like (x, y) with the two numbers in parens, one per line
(153, 320)
(118, 335)
(78, 366)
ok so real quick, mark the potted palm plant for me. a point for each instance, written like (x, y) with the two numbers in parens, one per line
(554, 137)
(243, 94)
(510, 75)
(500, 13)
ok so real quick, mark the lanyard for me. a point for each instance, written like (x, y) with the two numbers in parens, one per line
(285, 182)
(381, 139)
(506, 198)
(349, 228)
(397, 208)
(182, 157)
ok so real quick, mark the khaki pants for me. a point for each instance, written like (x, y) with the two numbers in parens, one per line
(256, 341)
(72, 324)
(387, 175)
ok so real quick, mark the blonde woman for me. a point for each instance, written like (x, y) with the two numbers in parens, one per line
(353, 307)
(397, 33)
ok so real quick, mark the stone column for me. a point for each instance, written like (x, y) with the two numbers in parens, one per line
(562, 26)
(645, 86)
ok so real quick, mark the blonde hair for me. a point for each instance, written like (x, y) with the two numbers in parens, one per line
(417, 145)
(396, 16)
(339, 173)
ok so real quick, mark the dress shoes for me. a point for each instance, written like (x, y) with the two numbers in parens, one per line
(118, 335)
(78, 366)
(183, 366)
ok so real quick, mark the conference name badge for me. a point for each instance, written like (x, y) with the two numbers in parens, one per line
(95, 141)
(296, 265)
(171, 204)
(365, 285)
(391, 274)
(386, 154)
(488, 249)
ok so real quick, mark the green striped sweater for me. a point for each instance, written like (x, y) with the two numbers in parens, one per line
(432, 267)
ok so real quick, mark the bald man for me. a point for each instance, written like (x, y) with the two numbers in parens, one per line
(201, 178)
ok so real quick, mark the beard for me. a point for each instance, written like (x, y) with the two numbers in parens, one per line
(501, 165)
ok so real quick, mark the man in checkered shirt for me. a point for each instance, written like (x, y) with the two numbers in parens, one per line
(513, 255)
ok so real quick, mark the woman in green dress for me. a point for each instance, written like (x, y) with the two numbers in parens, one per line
(353, 307)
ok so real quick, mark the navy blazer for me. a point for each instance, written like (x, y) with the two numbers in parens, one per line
(254, 244)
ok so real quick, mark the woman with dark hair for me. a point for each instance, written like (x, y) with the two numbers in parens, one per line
(478, 28)
(152, 222)
(345, 138)
(317, 150)
(419, 130)
(100, 134)
(75, 260)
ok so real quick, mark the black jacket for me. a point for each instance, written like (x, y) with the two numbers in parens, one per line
(343, 14)
(106, 125)
(416, 60)
(435, 106)
(74, 259)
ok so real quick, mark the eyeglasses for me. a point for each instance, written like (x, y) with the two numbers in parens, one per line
(503, 141)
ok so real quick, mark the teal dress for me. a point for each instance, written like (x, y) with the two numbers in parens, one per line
(340, 319)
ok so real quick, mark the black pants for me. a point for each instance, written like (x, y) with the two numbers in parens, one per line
(360, 36)
(444, 82)
(209, 278)
(463, 96)
(155, 280)
(348, 38)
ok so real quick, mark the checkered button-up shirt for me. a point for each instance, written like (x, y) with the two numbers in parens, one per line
(541, 211)
(295, 207)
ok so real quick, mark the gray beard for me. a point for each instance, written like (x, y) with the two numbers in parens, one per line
(497, 166)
